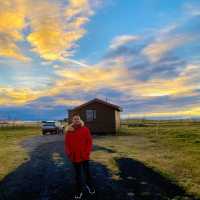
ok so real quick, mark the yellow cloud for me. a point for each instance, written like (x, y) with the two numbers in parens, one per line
(118, 77)
(77, 22)
(12, 22)
(160, 87)
(55, 31)
(19, 96)
(78, 7)
(113, 75)
(85, 79)
(54, 27)
(8, 48)
(88, 78)
(184, 84)
(191, 111)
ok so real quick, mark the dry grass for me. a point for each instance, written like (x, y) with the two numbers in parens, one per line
(11, 153)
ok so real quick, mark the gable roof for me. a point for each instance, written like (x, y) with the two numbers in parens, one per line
(116, 107)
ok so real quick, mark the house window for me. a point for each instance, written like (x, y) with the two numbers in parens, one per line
(90, 115)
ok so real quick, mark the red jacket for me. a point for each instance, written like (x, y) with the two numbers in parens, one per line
(78, 144)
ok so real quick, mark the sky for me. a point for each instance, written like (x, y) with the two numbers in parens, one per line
(143, 55)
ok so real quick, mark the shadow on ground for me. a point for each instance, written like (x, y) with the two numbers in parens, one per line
(49, 175)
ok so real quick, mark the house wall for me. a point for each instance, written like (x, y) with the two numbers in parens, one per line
(105, 118)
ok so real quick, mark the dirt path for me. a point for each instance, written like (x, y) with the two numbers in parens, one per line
(49, 175)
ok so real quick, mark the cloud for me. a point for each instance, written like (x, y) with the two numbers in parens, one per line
(160, 114)
(68, 102)
(156, 50)
(119, 41)
(114, 75)
(118, 77)
(55, 31)
(17, 96)
(184, 84)
(152, 74)
(156, 111)
(192, 9)
(79, 7)
(75, 62)
(52, 27)
(12, 22)
(87, 79)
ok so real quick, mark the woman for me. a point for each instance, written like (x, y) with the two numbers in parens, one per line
(78, 146)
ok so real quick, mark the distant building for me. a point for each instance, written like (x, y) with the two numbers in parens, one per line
(98, 115)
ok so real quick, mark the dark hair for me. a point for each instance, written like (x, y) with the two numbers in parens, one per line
(75, 114)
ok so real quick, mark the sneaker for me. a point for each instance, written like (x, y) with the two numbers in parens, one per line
(78, 195)
(91, 190)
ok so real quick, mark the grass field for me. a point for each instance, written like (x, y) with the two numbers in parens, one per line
(11, 153)
(171, 148)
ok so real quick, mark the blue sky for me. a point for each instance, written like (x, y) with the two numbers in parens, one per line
(141, 55)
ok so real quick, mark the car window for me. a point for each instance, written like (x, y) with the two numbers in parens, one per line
(49, 124)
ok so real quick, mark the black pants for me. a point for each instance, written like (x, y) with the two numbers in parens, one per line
(78, 167)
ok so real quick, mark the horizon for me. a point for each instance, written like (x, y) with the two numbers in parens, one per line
(141, 55)
(122, 118)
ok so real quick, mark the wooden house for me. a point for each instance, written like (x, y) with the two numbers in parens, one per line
(98, 115)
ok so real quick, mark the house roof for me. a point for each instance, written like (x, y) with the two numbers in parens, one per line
(116, 107)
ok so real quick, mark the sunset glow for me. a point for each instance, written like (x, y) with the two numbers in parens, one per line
(141, 55)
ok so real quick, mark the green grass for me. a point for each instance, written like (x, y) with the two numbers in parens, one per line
(171, 148)
(11, 153)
